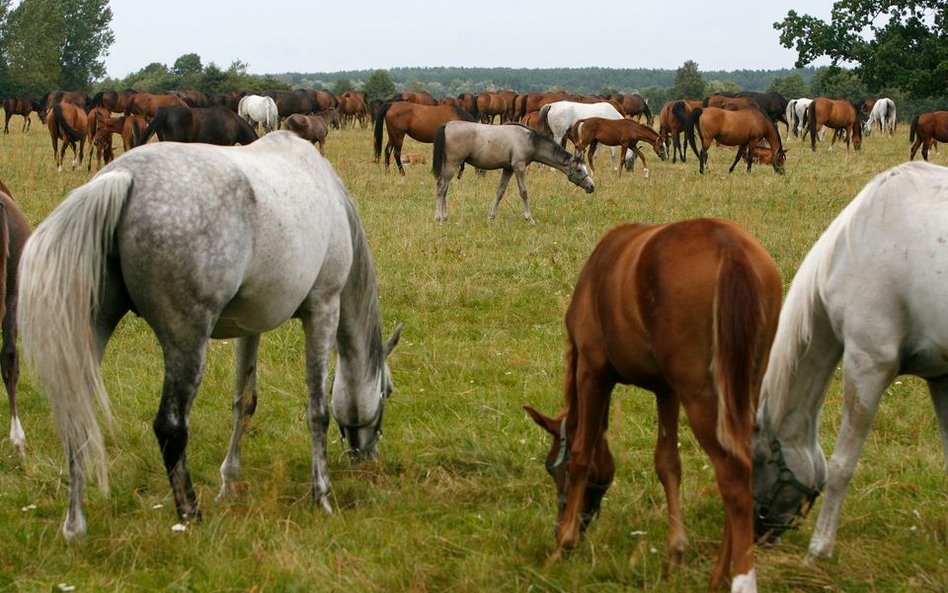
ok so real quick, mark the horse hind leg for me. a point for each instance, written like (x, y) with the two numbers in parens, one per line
(10, 370)
(668, 468)
(245, 404)
(939, 393)
(740, 154)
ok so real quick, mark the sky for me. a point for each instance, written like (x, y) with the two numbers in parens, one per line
(276, 36)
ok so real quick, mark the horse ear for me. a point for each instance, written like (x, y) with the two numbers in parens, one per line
(393, 340)
(545, 422)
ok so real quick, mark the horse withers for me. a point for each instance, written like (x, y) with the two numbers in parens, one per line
(205, 242)
(686, 310)
(510, 147)
(14, 231)
(881, 310)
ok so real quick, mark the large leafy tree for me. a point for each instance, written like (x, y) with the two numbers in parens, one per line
(86, 41)
(689, 83)
(896, 43)
(379, 85)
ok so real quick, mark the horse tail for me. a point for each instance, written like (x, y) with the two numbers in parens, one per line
(649, 118)
(913, 128)
(474, 112)
(96, 100)
(738, 345)
(63, 128)
(544, 115)
(691, 122)
(437, 158)
(154, 125)
(136, 134)
(811, 123)
(379, 124)
(60, 283)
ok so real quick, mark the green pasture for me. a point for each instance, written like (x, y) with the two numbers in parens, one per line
(459, 501)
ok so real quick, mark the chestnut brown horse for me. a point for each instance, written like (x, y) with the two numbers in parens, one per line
(114, 101)
(744, 128)
(147, 104)
(313, 127)
(99, 143)
(14, 230)
(19, 106)
(419, 122)
(624, 133)
(926, 130)
(838, 114)
(688, 311)
(672, 126)
(68, 123)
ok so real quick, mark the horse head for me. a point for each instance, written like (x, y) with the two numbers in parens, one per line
(661, 147)
(787, 480)
(780, 161)
(601, 471)
(579, 174)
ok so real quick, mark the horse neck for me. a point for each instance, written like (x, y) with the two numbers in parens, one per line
(549, 153)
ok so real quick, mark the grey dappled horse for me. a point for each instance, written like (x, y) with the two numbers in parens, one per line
(870, 291)
(205, 242)
(510, 147)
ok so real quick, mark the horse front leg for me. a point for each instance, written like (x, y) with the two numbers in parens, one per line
(522, 186)
(441, 197)
(637, 152)
(320, 320)
(501, 190)
(244, 406)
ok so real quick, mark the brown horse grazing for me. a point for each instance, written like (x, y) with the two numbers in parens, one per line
(838, 114)
(99, 144)
(687, 310)
(147, 104)
(19, 106)
(419, 122)
(68, 123)
(635, 106)
(616, 132)
(730, 103)
(210, 125)
(114, 101)
(14, 231)
(927, 129)
(671, 126)
(744, 128)
(309, 127)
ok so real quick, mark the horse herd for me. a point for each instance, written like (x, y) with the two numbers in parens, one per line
(228, 242)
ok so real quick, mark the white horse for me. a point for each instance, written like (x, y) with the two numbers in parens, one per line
(882, 116)
(256, 109)
(796, 112)
(205, 242)
(560, 116)
(872, 291)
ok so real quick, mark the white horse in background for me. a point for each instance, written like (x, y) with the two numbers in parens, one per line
(870, 291)
(256, 109)
(796, 112)
(560, 116)
(882, 116)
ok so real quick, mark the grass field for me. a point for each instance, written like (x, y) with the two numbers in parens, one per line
(459, 501)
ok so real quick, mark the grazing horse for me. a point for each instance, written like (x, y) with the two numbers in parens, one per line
(114, 101)
(14, 231)
(205, 242)
(636, 106)
(686, 310)
(309, 127)
(672, 124)
(796, 117)
(19, 106)
(882, 115)
(258, 110)
(744, 128)
(510, 147)
(774, 105)
(100, 144)
(838, 114)
(147, 105)
(68, 123)
(420, 122)
(624, 133)
(212, 125)
(879, 309)
(928, 129)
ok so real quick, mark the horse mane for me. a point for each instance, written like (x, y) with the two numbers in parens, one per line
(463, 114)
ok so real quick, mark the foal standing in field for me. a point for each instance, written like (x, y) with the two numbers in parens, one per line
(616, 132)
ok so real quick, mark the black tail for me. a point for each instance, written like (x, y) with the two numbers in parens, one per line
(437, 158)
(136, 134)
(96, 100)
(474, 112)
(811, 124)
(688, 121)
(379, 124)
(648, 114)
(63, 127)
(159, 120)
(913, 128)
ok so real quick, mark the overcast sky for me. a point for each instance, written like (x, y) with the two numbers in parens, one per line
(278, 36)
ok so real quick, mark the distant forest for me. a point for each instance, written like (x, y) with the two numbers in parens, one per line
(443, 81)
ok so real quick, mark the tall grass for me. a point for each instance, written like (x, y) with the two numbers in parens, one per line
(459, 500)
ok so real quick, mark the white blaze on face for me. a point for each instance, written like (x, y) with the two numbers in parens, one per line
(745, 583)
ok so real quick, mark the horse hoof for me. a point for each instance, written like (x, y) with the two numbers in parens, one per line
(323, 504)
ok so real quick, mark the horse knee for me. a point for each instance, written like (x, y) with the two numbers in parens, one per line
(172, 434)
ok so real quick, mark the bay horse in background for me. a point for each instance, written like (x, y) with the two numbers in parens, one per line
(206, 242)
(325, 99)
(624, 133)
(883, 312)
(419, 97)
(729, 103)
(635, 106)
(290, 102)
(672, 126)
(147, 104)
(211, 125)
(927, 129)
(882, 115)
(510, 147)
(100, 144)
(257, 110)
(744, 128)
(14, 231)
(837, 114)
(68, 123)
(419, 122)
(78, 98)
(774, 105)
(491, 105)
(312, 127)
(114, 101)
(686, 310)
(192, 97)
(20, 106)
